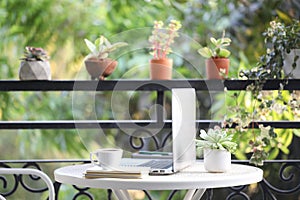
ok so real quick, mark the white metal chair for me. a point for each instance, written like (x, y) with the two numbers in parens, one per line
(30, 171)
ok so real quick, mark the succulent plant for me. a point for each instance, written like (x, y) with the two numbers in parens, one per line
(162, 38)
(35, 54)
(101, 47)
(217, 49)
(216, 138)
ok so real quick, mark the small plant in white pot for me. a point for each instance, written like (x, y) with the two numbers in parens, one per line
(97, 62)
(217, 147)
(35, 65)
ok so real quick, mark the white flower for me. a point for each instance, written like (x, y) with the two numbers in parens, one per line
(222, 70)
(278, 108)
(264, 131)
(259, 96)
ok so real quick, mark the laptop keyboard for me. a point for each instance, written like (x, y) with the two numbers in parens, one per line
(157, 164)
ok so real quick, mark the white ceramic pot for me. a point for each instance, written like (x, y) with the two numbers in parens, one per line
(288, 61)
(217, 160)
(35, 70)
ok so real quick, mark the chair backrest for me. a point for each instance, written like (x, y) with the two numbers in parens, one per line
(30, 171)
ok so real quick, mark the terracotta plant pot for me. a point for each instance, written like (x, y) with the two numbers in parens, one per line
(35, 70)
(161, 69)
(216, 160)
(214, 65)
(100, 68)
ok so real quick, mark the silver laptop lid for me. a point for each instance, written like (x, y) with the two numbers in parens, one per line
(183, 127)
(183, 134)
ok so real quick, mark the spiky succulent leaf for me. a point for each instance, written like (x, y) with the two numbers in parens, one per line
(91, 46)
(216, 139)
(115, 46)
(102, 47)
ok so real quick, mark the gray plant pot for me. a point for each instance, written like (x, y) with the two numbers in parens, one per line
(35, 70)
(288, 61)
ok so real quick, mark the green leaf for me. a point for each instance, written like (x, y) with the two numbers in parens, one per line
(215, 42)
(226, 40)
(106, 42)
(205, 52)
(103, 55)
(273, 153)
(224, 53)
(115, 46)
(296, 132)
(288, 134)
(284, 149)
(284, 16)
(101, 40)
(90, 45)
(97, 42)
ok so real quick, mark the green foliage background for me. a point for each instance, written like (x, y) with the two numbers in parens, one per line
(60, 26)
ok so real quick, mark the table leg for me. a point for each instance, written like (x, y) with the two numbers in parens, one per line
(194, 194)
(198, 194)
(122, 194)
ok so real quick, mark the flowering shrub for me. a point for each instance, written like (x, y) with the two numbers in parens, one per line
(254, 105)
(280, 39)
(162, 38)
(35, 54)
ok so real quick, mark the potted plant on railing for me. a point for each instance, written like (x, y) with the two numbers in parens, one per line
(217, 147)
(161, 40)
(282, 55)
(35, 65)
(217, 63)
(97, 62)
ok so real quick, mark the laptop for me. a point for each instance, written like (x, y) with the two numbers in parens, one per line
(183, 137)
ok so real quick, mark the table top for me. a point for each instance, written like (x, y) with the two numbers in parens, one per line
(194, 177)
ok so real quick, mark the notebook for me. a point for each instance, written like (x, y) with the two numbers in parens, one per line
(121, 172)
(183, 137)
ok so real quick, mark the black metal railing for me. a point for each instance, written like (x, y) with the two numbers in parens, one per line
(285, 184)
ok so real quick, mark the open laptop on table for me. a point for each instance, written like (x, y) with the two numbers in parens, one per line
(183, 136)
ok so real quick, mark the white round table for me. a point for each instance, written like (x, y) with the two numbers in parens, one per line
(192, 178)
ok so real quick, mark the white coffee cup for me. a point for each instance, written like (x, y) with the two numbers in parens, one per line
(107, 158)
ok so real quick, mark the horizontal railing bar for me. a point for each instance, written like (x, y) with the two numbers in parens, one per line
(81, 124)
(111, 124)
(88, 161)
(47, 161)
(140, 85)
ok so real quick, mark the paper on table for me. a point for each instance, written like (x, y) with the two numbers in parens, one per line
(121, 172)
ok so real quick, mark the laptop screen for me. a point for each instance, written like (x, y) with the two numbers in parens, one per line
(183, 136)
(183, 127)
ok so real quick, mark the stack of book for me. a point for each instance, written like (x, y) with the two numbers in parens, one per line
(121, 172)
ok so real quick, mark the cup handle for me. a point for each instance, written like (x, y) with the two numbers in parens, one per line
(91, 158)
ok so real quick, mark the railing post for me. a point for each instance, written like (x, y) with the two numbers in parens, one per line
(160, 107)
